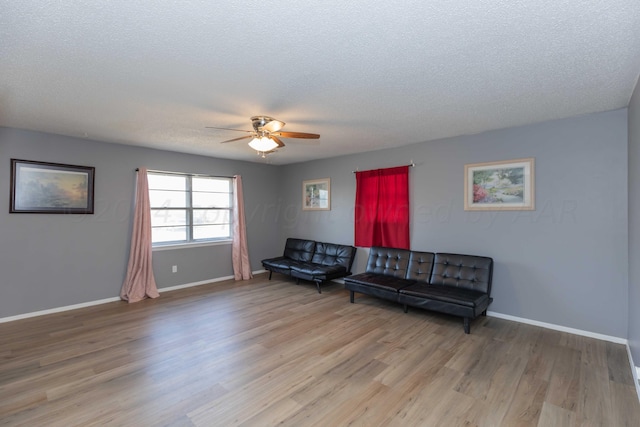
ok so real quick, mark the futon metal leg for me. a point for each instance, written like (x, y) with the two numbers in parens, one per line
(351, 296)
(467, 325)
(318, 286)
(270, 273)
(484, 313)
(406, 308)
(297, 281)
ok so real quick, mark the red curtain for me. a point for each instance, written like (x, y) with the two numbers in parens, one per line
(382, 208)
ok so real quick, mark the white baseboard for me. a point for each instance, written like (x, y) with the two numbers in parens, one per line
(609, 338)
(635, 371)
(191, 285)
(112, 299)
(58, 309)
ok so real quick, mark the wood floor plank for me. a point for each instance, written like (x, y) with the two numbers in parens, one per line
(356, 409)
(594, 403)
(616, 361)
(526, 405)
(492, 403)
(555, 416)
(425, 403)
(624, 405)
(273, 414)
(270, 352)
(564, 382)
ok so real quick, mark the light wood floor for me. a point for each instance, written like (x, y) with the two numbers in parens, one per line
(262, 353)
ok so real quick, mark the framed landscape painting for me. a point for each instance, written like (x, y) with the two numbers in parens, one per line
(499, 186)
(39, 187)
(316, 195)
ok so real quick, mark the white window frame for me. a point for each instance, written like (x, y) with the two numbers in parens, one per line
(190, 241)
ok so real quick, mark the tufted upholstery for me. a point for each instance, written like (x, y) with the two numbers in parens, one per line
(463, 271)
(299, 250)
(448, 283)
(388, 261)
(329, 261)
(314, 261)
(332, 254)
(420, 266)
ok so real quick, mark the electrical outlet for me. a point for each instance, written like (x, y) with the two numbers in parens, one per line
(174, 269)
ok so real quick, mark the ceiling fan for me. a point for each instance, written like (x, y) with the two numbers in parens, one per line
(266, 134)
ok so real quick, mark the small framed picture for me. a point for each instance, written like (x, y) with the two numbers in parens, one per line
(500, 186)
(39, 187)
(316, 195)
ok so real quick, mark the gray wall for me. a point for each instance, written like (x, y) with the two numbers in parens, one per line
(565, 263)
(634, 225)
(49, 261)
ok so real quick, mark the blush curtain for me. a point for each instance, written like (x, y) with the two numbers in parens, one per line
(239, 248)
(140, 282)
(382, 208)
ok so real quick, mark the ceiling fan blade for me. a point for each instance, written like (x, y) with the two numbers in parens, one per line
(237, 130)
(278, 141)
(237, 139)
(273, 126)
(296, 135)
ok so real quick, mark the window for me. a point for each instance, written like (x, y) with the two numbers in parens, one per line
(189, 208)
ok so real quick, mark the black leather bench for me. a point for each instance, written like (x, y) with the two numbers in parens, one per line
(448, 283)
(313, 261)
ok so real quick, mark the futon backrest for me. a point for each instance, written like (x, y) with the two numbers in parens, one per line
(463, 271)
(420, 266)
(388, 261)
(332, 254)
(299, 249)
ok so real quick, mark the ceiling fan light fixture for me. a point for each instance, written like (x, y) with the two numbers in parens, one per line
(263, 144)
(266, 134)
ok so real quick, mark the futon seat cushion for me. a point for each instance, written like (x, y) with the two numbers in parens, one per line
(457, 296)
(282, 263)
(373, 280)
(318, 270)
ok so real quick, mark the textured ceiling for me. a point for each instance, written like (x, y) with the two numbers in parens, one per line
(365, 75)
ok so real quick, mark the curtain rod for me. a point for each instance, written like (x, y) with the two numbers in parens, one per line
(411, 165)
(182, 173)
